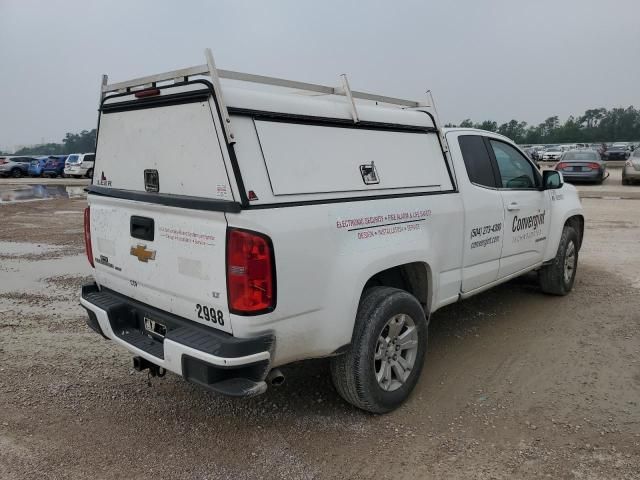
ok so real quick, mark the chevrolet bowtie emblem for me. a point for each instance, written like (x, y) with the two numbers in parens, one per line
(142, 253)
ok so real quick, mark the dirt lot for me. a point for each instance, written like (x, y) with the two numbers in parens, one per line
(516, 384)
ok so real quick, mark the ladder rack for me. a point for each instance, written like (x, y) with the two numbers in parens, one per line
(209, 69)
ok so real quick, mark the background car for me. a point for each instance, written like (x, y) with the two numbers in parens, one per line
(616, 153)
(552, 153)
(582, 165)
(36, 166)
(14, 166)
(631, 170)
(54, 167)
(79, 165)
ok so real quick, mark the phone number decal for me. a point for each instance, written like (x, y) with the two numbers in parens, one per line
(485, 230)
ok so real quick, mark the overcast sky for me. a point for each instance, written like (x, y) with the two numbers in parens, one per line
(491, 59)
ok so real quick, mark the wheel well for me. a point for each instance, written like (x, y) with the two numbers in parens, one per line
(577, 222)
(411, 277)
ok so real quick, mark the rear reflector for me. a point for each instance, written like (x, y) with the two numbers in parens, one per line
(147, 93)
(87, 236)
(251, 286)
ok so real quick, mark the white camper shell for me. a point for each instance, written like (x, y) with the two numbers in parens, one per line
(237, 223)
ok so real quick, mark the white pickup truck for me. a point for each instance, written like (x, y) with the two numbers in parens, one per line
(235, 227)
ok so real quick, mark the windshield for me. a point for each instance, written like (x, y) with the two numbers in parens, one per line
(554, 149)
(73, 158)
(581, 156)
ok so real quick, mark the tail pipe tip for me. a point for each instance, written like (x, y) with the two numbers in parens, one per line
(275, 378)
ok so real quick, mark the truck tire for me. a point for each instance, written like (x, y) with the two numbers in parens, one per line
(558, 277)
(384, 360)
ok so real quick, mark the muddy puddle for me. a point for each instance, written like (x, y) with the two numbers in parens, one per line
(24, 193)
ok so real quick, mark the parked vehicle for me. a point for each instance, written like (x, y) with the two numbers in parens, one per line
(552, 153)
(538, 150)
(316, 227)
(54, 167)
(631, 170)
(79, 165)
(582, 165)
(37, 165)
(623, 145)
(616, 153)
(14, 166)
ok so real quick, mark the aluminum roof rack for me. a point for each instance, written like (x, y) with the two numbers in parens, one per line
(209, 69)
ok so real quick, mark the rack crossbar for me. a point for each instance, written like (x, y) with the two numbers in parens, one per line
(252, 78)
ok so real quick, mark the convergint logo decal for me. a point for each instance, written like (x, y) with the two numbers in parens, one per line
(527, 227)
(532, 221)
(372, 226)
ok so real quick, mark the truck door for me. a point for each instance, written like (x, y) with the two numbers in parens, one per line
(526, 209)
(483, 225)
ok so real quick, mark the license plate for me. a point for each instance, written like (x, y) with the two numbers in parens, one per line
(577, 169)
(155, 328)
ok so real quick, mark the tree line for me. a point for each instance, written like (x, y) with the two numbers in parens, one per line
(82, 142)
(596, 125)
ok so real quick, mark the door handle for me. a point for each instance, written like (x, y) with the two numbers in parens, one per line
(513, 206)
(142, 228)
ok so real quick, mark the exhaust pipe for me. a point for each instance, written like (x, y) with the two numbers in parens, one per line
(275, 378)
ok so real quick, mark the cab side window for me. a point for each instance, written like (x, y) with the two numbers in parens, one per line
(477, 160)
(516, 171)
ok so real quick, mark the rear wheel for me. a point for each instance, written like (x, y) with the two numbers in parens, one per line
(625, 181)
(16, 173)
(384, 361)
(558, 277)
(90, 173)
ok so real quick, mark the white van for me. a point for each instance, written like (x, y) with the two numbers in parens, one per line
(79, 165)
(234, 229)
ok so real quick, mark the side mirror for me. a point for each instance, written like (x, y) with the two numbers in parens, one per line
(552, 180)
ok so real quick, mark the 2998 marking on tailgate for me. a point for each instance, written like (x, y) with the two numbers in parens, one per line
(210, 314)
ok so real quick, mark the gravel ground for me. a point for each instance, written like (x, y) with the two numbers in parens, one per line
(516, 384)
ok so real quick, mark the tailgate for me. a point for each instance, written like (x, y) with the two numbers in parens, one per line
(181, 271)
(157, 204)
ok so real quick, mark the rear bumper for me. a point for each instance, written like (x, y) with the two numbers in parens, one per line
(631, 173)
(592, 176)
(75, 170)
(215, 360)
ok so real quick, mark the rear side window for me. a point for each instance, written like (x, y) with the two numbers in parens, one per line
(89, 158)
(477, 160)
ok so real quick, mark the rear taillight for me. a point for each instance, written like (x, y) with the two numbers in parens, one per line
(561, 165)
(251, 283)
(628, 164)
(594, 166)
(87, 236)
(3, 161)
